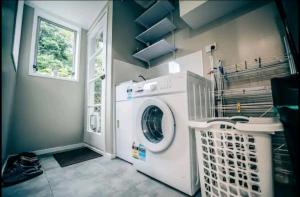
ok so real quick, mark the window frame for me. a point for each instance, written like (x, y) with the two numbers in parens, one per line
(62, 23)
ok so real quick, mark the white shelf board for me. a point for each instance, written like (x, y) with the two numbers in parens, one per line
(155, 13)
(157, 31)
(155, 50)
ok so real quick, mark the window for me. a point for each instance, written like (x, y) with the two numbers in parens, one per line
(54, 48)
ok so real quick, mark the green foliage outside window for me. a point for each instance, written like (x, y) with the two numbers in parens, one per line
(55, 50)
(98, 82)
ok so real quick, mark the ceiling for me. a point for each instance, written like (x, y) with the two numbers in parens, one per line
(82, 13)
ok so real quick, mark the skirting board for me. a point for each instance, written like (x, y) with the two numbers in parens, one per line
(58, 149)
(71, 147)
(108, 155)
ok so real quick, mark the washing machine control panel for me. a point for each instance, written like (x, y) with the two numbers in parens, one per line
(160, 85)
(167, 84)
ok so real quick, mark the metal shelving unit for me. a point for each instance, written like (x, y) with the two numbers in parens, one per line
(158, 25)
(155, 50)
(155, 13)
(258, 69)
(156, 32)
(252, 101)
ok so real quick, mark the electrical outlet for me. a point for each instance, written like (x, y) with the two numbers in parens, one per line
(210, 47)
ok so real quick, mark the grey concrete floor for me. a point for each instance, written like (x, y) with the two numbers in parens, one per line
(96, 177)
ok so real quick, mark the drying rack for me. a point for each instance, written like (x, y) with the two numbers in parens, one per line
(258, 68)
(255, 101)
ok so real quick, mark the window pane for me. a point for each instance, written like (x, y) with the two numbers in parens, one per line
(97, 98)
(99, 41)
(91, 94)
(99, 65)
(97, 110)
(98, 84)
(94, 92)
(55, 50)
(96, 66)
(96, 43)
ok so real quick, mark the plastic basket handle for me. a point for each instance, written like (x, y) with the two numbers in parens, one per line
(236, 118)
(228, 122)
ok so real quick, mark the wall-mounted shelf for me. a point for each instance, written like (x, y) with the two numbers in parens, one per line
(156, 32)
(155, 50)
(155, 13)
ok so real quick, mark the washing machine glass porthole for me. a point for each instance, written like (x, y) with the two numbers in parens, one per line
(152, 124)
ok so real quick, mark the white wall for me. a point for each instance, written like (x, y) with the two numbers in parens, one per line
(125, 71)
(191, 62)
(46, 112)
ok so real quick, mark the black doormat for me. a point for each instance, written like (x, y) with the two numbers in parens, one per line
(75, 156)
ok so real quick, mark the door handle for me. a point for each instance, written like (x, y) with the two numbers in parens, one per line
(118, 123)
(102, 77)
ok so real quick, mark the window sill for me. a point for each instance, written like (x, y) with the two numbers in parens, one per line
(52, 77)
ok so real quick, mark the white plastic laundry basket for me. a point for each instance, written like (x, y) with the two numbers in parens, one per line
(235, 158)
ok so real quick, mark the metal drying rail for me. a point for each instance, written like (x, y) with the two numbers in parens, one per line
(253, 101)
(257, 69)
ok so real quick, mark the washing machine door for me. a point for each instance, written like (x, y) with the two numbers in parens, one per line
(155, 125)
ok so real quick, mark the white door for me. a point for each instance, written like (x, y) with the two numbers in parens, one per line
(96, 89)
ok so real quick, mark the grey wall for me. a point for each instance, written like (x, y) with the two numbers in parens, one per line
(47, 112)
(8, 71)
(247, 34)
(124, 31)
(251, 32)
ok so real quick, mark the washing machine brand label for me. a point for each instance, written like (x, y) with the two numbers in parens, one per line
(142, 152)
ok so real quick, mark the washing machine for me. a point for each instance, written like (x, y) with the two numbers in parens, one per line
(163, 145)
(124, 120)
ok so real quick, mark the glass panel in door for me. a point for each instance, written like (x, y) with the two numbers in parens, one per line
(96, 43)
(95, 86)
(152, 124)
